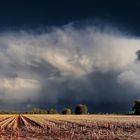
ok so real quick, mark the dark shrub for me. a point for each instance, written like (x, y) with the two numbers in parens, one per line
(81, 109)
(66, 111)
(39, 111)
(52, 111)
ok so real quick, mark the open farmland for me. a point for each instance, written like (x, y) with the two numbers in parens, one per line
(69, 127)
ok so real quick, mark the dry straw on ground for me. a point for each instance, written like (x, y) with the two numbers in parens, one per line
(69, 127)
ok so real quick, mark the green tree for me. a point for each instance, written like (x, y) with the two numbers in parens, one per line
(52, 111)
(81, 109)
(66, 111)
(39, 111)
(136, 107)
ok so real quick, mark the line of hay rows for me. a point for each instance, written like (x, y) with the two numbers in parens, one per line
(69, 127)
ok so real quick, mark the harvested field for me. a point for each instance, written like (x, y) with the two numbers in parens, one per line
(69, 127)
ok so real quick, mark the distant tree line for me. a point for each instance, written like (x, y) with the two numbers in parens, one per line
(82, 109)
(79, 109)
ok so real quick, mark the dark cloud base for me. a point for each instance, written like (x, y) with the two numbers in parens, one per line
(67, 66)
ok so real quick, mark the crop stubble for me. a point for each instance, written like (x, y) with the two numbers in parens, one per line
(69, 127)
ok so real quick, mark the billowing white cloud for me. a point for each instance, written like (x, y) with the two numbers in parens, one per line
(72, 51)
(30, 63)
(130, 77)
(19, 89)
(17, 84)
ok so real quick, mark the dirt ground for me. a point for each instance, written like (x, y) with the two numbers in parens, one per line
(69, 127)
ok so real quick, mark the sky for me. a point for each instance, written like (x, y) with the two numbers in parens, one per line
(59, 54)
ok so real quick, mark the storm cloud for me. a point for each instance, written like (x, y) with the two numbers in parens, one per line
(69, 65)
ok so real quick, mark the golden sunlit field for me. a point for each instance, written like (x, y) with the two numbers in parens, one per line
(69, 127)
